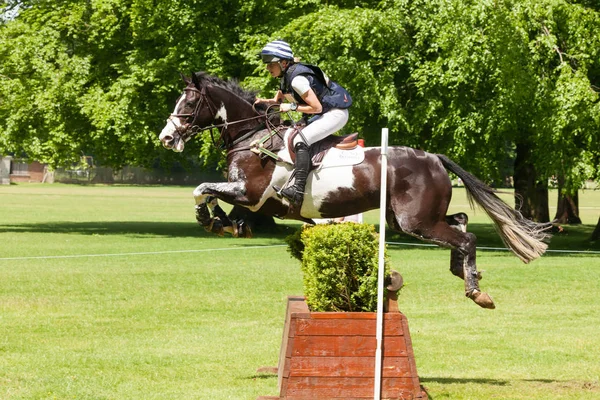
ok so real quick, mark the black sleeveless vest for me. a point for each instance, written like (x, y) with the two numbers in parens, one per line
(330, 94)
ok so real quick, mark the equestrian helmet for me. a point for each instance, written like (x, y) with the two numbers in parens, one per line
(275, 51)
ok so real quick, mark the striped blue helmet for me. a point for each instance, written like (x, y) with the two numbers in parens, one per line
(276, 50)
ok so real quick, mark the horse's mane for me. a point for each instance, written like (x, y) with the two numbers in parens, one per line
(232, 85)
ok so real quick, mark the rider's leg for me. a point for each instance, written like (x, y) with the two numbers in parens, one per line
(327, 124)
(295, 193)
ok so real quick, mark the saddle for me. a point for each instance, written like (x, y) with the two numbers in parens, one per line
(319, 149)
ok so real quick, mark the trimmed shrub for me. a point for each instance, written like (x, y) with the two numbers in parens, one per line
(339, 263)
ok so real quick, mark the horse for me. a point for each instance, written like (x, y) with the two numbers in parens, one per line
(419, 188)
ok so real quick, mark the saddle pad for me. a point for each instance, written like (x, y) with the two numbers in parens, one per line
(334, 157)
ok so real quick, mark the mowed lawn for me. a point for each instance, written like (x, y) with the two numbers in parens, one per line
(114, 292)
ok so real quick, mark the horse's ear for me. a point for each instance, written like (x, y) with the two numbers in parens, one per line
(195, 80)
(185, 79)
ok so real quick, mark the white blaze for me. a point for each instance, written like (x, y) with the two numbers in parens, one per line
(222, 113)
(170, 129)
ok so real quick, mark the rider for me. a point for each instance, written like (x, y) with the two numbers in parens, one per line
(309, 91)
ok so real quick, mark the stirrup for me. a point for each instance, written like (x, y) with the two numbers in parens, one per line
(296, 198)
(278, 190)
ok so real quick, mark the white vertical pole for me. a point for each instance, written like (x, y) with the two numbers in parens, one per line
(381, 266)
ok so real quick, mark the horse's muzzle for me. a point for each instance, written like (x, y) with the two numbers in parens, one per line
(171, 140)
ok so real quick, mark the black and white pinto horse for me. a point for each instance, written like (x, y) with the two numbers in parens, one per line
(345, 182)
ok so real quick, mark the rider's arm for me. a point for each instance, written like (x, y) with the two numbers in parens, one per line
(312, 106)
(301, 85)
(275, 100)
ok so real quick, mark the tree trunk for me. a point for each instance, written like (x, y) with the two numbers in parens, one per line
(567, 209)
(531, 194)
(596, 233)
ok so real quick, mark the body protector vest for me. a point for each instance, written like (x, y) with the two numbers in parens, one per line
(330, 94)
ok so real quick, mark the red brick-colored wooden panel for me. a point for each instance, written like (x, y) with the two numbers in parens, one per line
(333, 388)
(296, 306)
(346, 346)
(345, 326)
(348, 367)
(336, 398)
(343, 315)
(332, 356)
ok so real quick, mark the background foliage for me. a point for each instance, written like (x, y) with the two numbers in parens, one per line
(498, 85)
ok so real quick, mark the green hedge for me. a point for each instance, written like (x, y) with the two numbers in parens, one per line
(339, 263)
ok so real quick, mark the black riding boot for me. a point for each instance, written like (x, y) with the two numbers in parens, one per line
(295, 193)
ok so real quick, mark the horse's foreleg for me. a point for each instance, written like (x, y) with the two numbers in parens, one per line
(211, 216)
(207, 221)
(235, 227)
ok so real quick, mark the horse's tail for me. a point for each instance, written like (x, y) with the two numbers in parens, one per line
(522, 236)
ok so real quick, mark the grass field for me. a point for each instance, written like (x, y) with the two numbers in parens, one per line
(115, 293)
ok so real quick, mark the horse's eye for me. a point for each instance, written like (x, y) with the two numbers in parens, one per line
(189, 103)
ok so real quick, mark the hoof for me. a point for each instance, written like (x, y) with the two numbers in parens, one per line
(482, 300)
(203, 215)
(215, 226)
(244, 230)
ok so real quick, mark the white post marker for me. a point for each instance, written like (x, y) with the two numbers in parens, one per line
(381, 266)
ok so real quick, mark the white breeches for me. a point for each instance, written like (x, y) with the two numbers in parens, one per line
(325, 125)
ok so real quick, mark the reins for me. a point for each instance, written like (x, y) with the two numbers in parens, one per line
(195, 129)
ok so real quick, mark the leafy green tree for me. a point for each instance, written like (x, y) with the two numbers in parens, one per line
(482, 81)
(100, 77)
(360, 48)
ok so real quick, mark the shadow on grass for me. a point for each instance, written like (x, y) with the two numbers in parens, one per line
(448, 381)
(572, 238)
(141, 228)
(261, 376)
(551, 384)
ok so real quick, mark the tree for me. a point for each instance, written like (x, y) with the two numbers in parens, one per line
(567, 209)
(491, 77)
(596, 233)
(481, 81)
(100, 77)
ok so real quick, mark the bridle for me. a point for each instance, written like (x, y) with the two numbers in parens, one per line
(186, 132)
(190, 131)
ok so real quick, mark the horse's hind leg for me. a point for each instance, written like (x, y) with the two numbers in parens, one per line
(459, 222)
(462, 261)
(471, 275)
(463, 253)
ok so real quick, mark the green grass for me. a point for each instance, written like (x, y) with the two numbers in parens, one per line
(166, 311)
